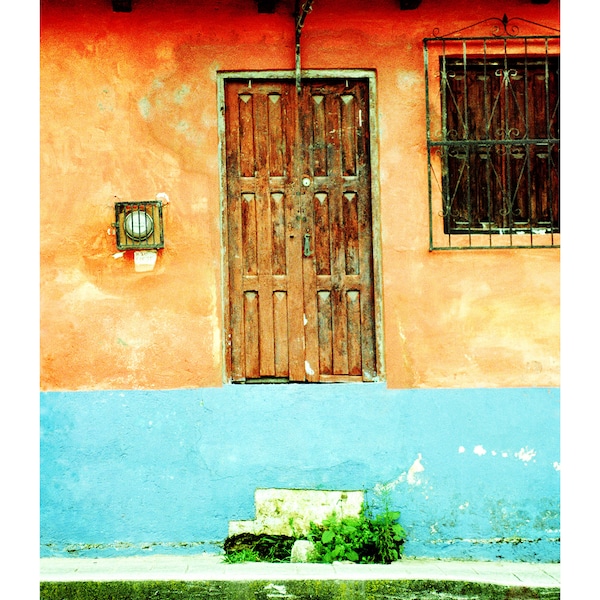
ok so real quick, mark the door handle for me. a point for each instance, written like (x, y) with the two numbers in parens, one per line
(307, 250)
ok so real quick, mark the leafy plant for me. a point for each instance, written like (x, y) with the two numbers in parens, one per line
(368, 538)
(239, 556)
(388, 535)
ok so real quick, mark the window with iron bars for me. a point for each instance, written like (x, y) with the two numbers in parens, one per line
(493, 140)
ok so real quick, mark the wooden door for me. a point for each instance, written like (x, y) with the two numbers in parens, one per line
(299, 231)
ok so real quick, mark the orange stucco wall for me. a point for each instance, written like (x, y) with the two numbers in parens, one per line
(129, 109)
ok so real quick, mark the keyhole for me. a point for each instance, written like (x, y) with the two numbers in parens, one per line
(307, 250)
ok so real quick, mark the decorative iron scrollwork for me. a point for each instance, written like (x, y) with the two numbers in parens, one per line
(492, 134)
(497, 27)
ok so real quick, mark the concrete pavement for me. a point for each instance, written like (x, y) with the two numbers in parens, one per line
(210, 567)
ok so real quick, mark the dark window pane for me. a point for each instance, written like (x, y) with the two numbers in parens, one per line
(501, 128)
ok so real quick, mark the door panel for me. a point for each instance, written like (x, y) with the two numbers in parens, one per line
(299, 231)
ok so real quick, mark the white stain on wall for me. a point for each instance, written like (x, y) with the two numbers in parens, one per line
(145, 108)
(85, 292)
(407, 79)
(390, 485)
(415, 468)
(411, 477)
(525, 454)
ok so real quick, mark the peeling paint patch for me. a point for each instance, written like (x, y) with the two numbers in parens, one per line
(144, 108)
(479, 450)
(182, 126)
(464, 506)
(525, 454)
(190, 134)
(309, 370)
(406, 79)
(86, 292)
(461, 449)
(556, 466)
(181, 93)
(416, 467)
(200, 205)
(410, 477)
(391, 485)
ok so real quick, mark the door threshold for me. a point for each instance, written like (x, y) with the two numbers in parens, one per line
(324, 379)
(264, 380)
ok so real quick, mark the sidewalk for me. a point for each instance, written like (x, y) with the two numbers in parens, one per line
(210, 567)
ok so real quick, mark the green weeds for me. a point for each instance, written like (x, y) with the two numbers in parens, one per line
(368, 538)
(371, 537)
(249, 547)
(238, 556)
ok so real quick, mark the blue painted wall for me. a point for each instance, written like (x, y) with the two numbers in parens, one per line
(475, 473)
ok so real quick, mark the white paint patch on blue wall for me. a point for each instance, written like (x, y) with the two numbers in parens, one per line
(132, 472)
(525, 454)
(410, 476)
(479, 450)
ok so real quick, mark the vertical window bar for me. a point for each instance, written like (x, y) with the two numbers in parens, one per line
(487, 102)
(142, 218)
(428, 134)
(528, 154)
(506, 207)
(549, 194)
(467, 133)
(141, 215)
(446, 192)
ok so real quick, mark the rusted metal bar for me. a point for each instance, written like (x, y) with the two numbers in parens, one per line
(302, 10)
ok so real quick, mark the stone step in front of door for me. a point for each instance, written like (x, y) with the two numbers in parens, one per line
(290, 512)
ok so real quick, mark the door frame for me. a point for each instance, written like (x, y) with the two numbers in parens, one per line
(313, 74)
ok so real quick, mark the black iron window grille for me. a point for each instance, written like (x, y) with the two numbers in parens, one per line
(139, 225)
(492, 105)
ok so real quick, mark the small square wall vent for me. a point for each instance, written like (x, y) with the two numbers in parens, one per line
(139, 225)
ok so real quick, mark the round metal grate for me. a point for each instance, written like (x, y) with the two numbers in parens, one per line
(138, 225)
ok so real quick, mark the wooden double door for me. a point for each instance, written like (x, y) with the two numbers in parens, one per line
(298, 220)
